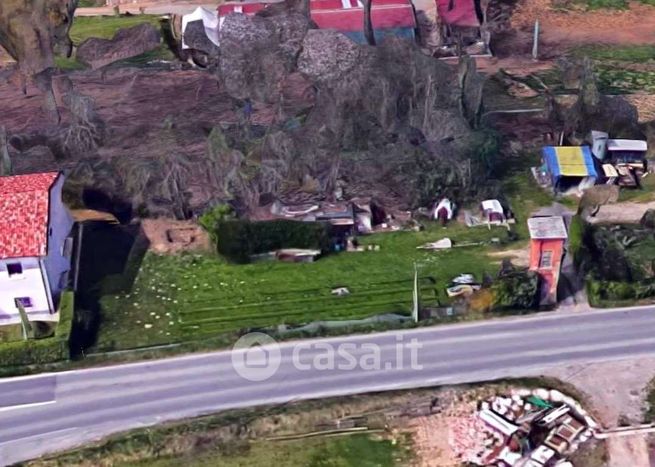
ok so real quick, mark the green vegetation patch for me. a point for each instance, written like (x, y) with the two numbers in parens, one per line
(350, 451)
(46, 350)
(105, 27)
(619, 262)
(616, 80)
(632, 53)
(607, 4)
(240, 239)
(187, 297)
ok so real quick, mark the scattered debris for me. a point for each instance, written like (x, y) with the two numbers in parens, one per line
(529, 427)
(297, 255)
(464, 279)
(492, 212)
(443, 244)
(463, 285)
(340, 291)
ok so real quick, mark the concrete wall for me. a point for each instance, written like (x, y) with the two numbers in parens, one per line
(28, 284)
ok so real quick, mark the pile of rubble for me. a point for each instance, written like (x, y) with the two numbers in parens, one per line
(529, 428)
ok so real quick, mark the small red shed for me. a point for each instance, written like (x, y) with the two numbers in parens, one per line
(547, 238)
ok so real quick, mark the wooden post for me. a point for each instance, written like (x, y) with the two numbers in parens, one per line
(535, 42)
(416, 306)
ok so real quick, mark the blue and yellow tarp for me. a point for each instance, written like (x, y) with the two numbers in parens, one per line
(569, 161)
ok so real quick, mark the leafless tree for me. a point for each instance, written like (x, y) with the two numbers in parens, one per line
(368, 24)
(5, 160)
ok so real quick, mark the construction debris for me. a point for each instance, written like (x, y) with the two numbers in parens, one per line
(531, 428)
(443, 244)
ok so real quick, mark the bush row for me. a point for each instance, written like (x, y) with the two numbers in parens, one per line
(238, 240)
(48, 350)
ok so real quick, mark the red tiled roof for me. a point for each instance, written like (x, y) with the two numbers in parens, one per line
(348, 15)
(24, 205)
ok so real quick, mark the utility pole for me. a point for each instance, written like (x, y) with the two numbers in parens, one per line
(535, 41)
(416, 295)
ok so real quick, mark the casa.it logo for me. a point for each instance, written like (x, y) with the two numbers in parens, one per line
(256, 356)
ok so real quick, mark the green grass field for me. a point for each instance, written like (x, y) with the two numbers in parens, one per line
(105, 27)
(188, 297)
(351, 451)
(622, 69)
(201, 297)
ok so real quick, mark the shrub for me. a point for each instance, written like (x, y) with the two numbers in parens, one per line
(210, 219)
(577, 248)
(609, 4)
(516, 290)
(239, 239)
(48, 350)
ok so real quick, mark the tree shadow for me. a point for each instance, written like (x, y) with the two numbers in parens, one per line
(111, 256)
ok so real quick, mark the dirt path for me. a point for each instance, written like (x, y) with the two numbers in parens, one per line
(616, 394)
(621, 213)
(633, 26)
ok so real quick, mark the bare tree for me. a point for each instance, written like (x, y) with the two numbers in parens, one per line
(5, 160)
(368, 24)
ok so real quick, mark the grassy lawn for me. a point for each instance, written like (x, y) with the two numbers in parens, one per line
(11, 333)
(622, 69)
(202, 297)
(105, 27)
(644, 195)
(633, 53)
(350, 451)
(188, 297)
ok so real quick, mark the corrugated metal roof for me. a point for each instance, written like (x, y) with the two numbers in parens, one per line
(626, 145)
(570, 161)
(551, 227)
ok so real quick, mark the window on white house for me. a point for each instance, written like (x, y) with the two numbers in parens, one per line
(25, 301)
(14, 269)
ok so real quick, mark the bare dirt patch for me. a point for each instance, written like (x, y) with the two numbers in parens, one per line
(169, 236)
(645, 104)
(616, 393)
(633, 26)
(520, 257)
(621, 213)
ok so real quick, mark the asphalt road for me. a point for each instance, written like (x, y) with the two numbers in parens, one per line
(92, 403)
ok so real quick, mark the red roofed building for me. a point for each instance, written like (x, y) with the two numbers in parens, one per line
(547, 237)
(388, 17)
(35, 247)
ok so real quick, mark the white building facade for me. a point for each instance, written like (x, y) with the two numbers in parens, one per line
(35, 246)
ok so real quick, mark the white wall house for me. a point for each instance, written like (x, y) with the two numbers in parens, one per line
(35, 246)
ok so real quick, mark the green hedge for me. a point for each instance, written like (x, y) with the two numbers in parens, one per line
(239, 239)
(48, 350)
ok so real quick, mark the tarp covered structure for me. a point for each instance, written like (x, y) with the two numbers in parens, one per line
(388, 17)
(209, 20)
(458, 13)
(569, 161)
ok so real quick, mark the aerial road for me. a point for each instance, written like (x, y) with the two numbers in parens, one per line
(49, 412)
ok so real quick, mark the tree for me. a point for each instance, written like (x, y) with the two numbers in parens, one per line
(5, 160)
(368, 24)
